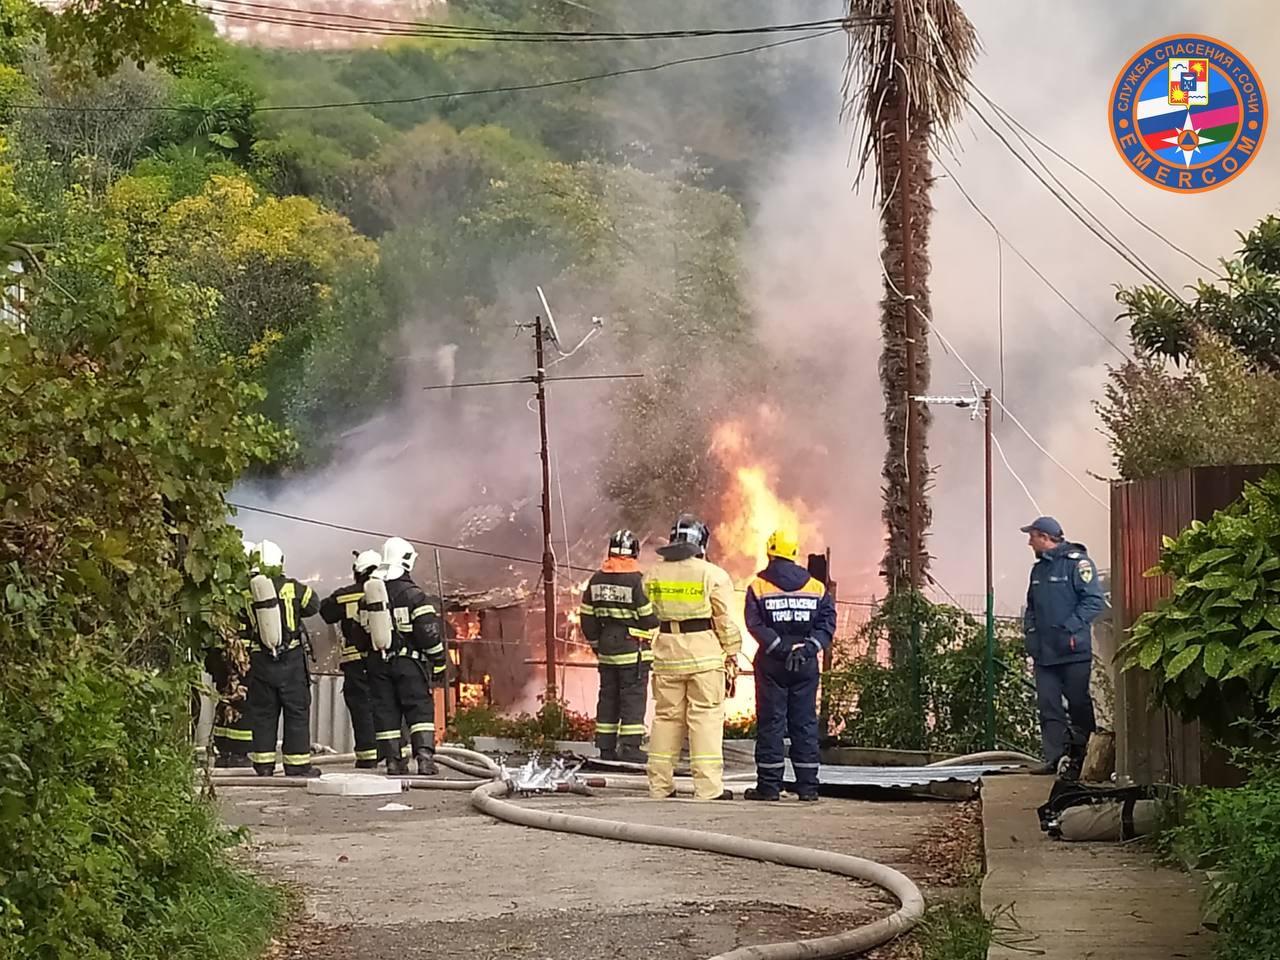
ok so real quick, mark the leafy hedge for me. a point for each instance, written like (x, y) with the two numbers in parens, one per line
(1211, 646)
(1235, 835)
(119, 567)
(936, 699)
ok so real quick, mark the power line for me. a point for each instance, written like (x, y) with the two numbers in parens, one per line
(313, 521)
(383, 26)
(932, 327)
(1116, 244)
(1014, 122)
(1023, 257)
(1014, 473)
(429, 97)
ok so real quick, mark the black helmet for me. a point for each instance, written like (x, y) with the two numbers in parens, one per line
(689, 529)
(623, 543)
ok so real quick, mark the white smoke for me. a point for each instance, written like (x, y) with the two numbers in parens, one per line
(815, 282)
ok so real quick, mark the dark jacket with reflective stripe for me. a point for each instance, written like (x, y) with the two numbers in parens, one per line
(343, 608)
(616, 615)
(1064, 598)
(417, 630)
(297, 601)
(785, 606)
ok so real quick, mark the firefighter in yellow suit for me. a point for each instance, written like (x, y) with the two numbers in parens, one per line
(695, 652)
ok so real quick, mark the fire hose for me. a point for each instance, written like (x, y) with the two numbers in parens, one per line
(488, 798)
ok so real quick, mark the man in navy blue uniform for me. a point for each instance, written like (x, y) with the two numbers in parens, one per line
(792, 618)
(1064, 598)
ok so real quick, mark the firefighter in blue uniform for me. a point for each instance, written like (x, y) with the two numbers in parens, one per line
(1063, 600)
(792, 618)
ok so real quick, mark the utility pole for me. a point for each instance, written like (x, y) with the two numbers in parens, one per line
(548, 558)
(911, 327)
(541, 333)
(991, 589)
(980, 404)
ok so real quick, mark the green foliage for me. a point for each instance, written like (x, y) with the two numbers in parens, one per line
(1220, 410)
(1210, 648)
(119, 568)
(532, 732)
(89, 36)
(1242, 308)
(1235, 835)
(954, 930)
(1225, 406)
(936, 698)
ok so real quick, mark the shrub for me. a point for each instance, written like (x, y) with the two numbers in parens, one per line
(935, 699)
(1211, 647)
(1235, 834)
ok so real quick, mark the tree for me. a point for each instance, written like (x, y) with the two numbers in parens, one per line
(119, 569)
(940, 49)
(1204, 388)
(94, 37)
(1242, 307)
(1220, 409)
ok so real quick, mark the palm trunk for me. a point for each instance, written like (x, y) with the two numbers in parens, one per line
(895, 567)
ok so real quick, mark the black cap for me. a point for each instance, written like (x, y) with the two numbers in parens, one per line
(1046, 525)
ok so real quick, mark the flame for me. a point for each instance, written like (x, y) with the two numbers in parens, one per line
(750, 510)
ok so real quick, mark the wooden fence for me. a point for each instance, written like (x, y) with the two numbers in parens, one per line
(1153, 745)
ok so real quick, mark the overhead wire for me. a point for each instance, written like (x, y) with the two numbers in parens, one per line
(430, 97)
(1025, 259)
(1014, 473)
(277, 14)
(1122, 249)
(1013, 121)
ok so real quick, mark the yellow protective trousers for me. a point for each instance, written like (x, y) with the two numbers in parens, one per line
(692, 702)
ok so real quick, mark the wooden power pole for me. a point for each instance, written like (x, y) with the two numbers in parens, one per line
(548, 557)
(905, 188)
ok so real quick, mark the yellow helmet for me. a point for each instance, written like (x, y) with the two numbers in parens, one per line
(783, 543)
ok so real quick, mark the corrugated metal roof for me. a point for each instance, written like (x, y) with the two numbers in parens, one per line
(900, 778)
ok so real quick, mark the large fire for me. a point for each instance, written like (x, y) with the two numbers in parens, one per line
(750, 510)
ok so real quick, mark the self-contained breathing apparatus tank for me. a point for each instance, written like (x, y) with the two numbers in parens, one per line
(266, 602)
(377, 613)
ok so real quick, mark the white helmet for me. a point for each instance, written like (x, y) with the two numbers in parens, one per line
(270, 555)
(398, 556)
(249, 547)
(366, 561)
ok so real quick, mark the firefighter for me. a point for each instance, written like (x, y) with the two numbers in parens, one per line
(694, 662)
(278, 678)
(228, 666)
(343, 607)
(792, 618)
(618, 621)
(1063, 599)
(401, 677)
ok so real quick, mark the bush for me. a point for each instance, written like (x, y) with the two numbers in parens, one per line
(1235, 834)
(1211, 647)
(936, 699)
(532, 732)
(119, 567)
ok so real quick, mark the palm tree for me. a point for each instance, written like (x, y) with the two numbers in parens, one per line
(940, 45)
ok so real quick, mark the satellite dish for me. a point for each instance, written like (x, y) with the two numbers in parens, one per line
(551, 321)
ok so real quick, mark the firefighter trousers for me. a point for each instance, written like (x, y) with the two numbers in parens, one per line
(624, 693)
(786, 706)
(401, 694)
(232, 732)
(280, 686)
(356, 695)
(692, 702)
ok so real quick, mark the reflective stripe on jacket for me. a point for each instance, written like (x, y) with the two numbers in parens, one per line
(617, 617)
(692, 589)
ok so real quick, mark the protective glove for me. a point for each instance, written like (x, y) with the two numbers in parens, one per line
(797, 657)
(730, 676)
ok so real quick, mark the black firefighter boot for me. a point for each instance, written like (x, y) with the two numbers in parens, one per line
(423, 753)
(397, 766)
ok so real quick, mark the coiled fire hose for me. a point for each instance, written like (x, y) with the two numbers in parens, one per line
(488, 798)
